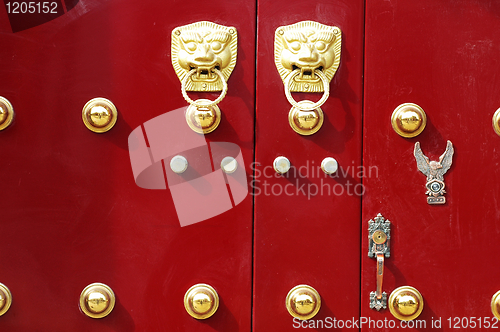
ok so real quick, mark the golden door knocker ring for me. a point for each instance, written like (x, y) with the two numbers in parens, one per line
(312, 106)
(306, 117)
(203, 115)
(206, 103)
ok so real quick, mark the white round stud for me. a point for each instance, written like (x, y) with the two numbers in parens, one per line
(281, 165)
(178, 164)
(329, 165)
(229, 165)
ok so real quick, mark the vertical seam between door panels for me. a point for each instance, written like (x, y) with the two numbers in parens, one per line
(252, 278)
(362, 163)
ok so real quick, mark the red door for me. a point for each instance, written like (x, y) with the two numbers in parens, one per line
(82, 207)
(440, 55)
(307, 229)
(72, 213)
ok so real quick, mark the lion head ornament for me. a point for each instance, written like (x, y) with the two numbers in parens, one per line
(307, 46)
(204, 46)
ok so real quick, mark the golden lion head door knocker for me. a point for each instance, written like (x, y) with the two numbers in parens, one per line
(203, 56)
(307, 55)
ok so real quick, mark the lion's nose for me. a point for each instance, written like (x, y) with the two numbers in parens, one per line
(204, 54)
(308, 54)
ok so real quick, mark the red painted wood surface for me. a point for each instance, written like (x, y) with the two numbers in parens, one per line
(72, 214)
(71, 211)
(303, 236)
(443, 56)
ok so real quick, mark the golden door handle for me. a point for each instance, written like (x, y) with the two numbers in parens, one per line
(307, 64)
(380, 275)
(303, 302)
(379, 235)
(97, 300)
(5, 299)
(6, 113)
(496, 121)
(201, 301)
(495, 305)
(203, 56)
(408, 120)
(406, 303)
(99, 115)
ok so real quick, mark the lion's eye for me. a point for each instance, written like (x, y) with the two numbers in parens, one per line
(191, 46)
(216, 46)
(295, 46)
(320, 46)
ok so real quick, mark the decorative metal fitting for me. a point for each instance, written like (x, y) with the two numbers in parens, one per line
(99, 115)
(434, 170)
(379, 237)
(406, 303)
(5, 299)
(495, 305)
(303, 302)
(308, 47)
(329, 165)
(6, 113)
(204, 55)
(496, 121)
(229, 165)
(179, 164)
(307, 55)
(202, 47)
(408, 120)
(201, 301)
(97, 300)
(281, 165)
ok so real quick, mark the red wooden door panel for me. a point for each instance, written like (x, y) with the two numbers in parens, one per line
(441, 55)
(306, 223)
(72, 213)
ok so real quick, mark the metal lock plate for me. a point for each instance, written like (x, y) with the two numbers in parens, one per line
(204, 46)
(308, 46)
(379, 231)
(379, 236)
